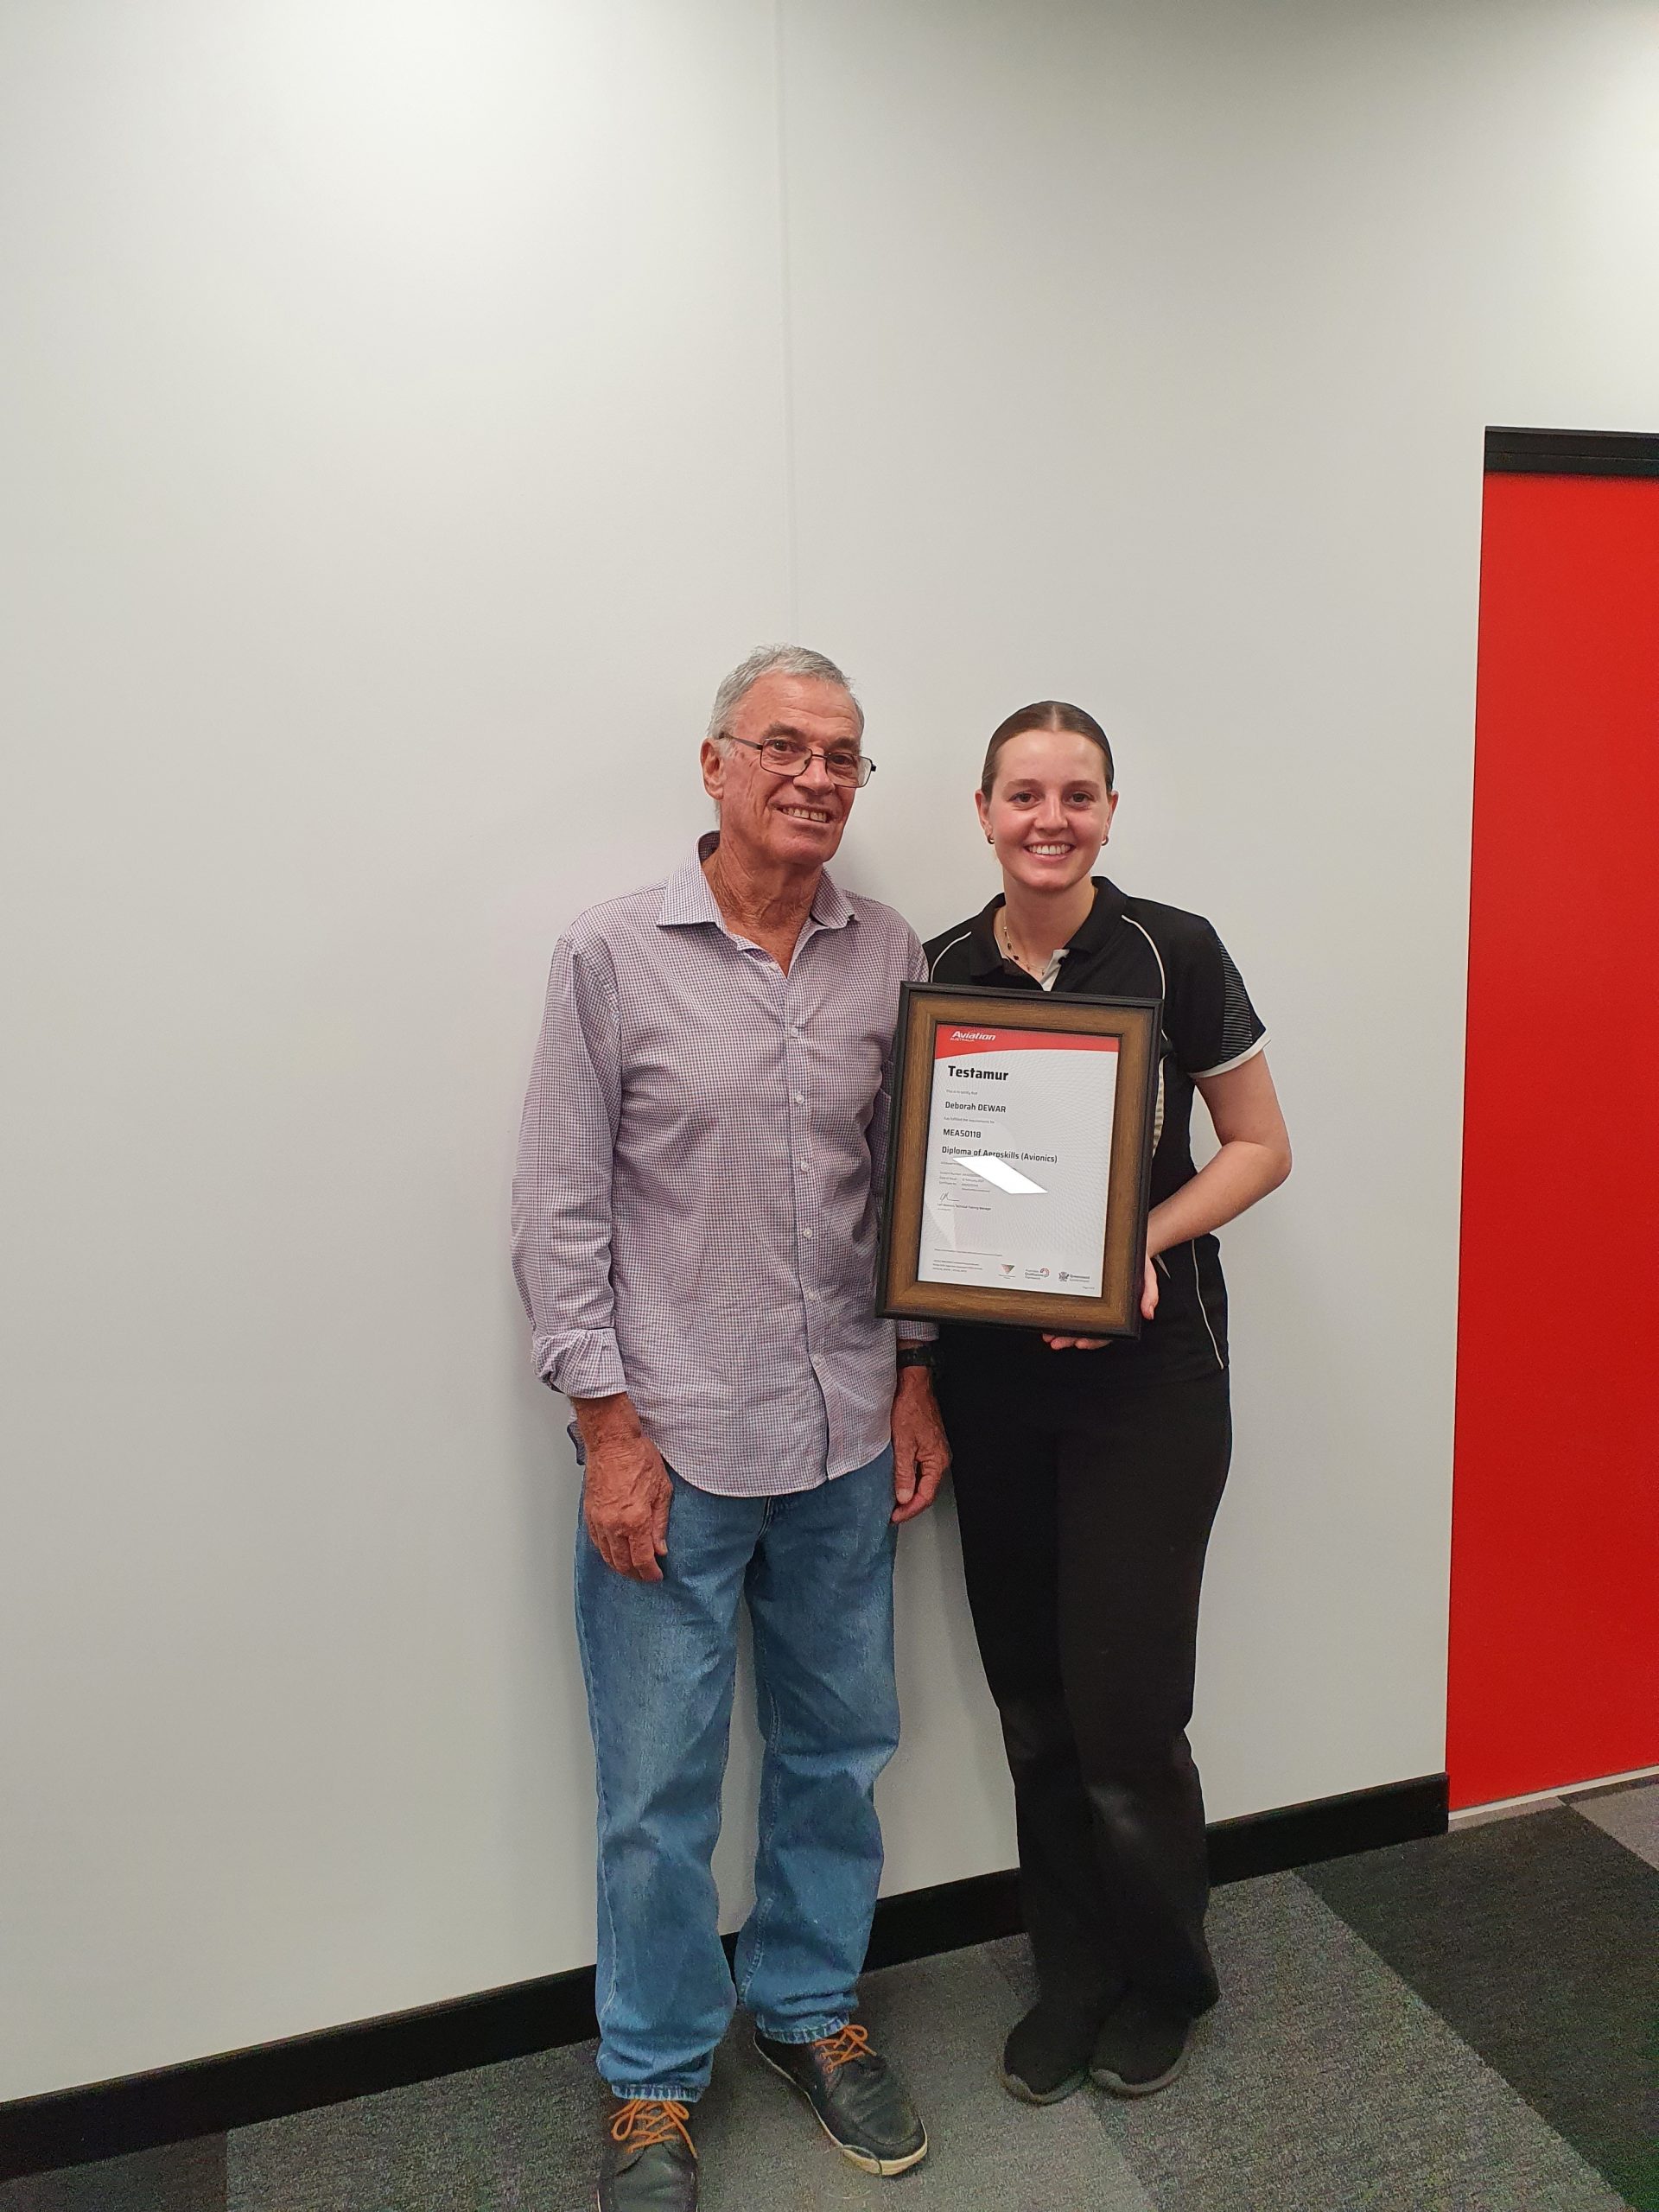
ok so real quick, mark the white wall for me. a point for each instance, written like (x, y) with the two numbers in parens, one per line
(407, 412)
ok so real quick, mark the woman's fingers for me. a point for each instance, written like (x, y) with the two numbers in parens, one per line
(1148, 1307)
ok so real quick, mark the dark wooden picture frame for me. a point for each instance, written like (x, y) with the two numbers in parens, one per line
(900, 1293)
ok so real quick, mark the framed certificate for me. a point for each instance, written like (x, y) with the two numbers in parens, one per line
(1018, 1160)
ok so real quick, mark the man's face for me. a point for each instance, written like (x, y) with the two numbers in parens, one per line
(770, 820)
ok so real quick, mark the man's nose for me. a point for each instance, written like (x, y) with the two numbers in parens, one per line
(815, 775)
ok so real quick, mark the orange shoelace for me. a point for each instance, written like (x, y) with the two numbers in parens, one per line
(840, 2050)
(644, 2121)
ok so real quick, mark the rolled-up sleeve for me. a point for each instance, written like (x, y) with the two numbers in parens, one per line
(562, 1190)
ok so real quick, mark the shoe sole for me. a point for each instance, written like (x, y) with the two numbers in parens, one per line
(1026, 2095)
(866, 2161)
(1103, 2078)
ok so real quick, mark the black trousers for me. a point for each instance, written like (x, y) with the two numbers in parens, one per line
(1085, 1513)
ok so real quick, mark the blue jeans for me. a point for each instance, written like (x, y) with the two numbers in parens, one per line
(659, 1659)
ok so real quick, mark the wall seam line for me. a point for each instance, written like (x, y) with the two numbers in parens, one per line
(787, 308)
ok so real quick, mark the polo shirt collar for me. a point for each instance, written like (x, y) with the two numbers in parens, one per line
(985, 955)
(687, 897)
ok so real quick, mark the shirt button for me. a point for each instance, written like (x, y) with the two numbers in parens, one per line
(807, 1234)
(812, 1297)
(800, 1098)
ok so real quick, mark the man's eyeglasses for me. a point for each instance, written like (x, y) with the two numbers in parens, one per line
(788, 756)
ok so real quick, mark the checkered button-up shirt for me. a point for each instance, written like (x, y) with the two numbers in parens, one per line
(695, 1210)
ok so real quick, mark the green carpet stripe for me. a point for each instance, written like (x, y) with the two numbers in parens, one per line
(1537, 1941)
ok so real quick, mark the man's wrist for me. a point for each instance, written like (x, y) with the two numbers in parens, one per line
(916, 1353)
(612, 1415)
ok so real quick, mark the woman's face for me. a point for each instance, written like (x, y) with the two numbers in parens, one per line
(1049, 809)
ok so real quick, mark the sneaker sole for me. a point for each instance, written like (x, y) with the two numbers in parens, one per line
(1103, 2078)
(1026, 2095)
(866, 2161)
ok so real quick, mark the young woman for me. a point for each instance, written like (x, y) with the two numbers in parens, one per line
(1088, 1472)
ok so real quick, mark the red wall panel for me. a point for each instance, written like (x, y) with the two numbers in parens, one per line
(1555, 1676)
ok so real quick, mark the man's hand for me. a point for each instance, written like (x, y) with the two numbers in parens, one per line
(920, 1454)
(627, 1492)
(1148, 1307)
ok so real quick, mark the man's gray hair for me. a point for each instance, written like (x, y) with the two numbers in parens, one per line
(772, 660)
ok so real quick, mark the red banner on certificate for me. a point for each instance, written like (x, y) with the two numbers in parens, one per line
(956, 1043)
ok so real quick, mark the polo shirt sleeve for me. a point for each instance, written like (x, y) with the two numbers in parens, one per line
(1212, 1023)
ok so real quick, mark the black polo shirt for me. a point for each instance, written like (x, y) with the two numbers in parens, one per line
(1131, 948)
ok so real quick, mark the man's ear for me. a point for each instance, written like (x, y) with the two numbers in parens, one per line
(713, 763)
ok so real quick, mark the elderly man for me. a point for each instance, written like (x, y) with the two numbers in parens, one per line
(695, 1222)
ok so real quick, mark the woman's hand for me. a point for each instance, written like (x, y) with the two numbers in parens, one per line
(1148, 1307)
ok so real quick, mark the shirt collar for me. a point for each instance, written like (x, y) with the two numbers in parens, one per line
(985, 955)
(687, 897)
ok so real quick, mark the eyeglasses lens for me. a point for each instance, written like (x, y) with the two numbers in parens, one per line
(785, 757)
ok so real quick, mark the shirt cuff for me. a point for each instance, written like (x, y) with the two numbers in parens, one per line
(582, 1362)
(917, 1332)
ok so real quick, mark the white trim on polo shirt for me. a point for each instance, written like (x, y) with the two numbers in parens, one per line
(952, 947)
(1163, 979)
(1203, 1075)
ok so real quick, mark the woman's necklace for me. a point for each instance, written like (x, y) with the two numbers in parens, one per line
(1010, 951)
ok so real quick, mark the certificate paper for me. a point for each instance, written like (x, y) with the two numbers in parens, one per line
(1018, 1160)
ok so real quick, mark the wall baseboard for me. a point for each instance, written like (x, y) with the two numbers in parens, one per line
(209, 2096)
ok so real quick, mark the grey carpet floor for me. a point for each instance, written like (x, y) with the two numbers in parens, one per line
(1468, 2024)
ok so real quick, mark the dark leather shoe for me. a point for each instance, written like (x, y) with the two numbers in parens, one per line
(860, 2103)
(649, 2163)
(1143, 2047)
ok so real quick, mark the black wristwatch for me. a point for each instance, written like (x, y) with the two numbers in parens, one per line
(916, 1355)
